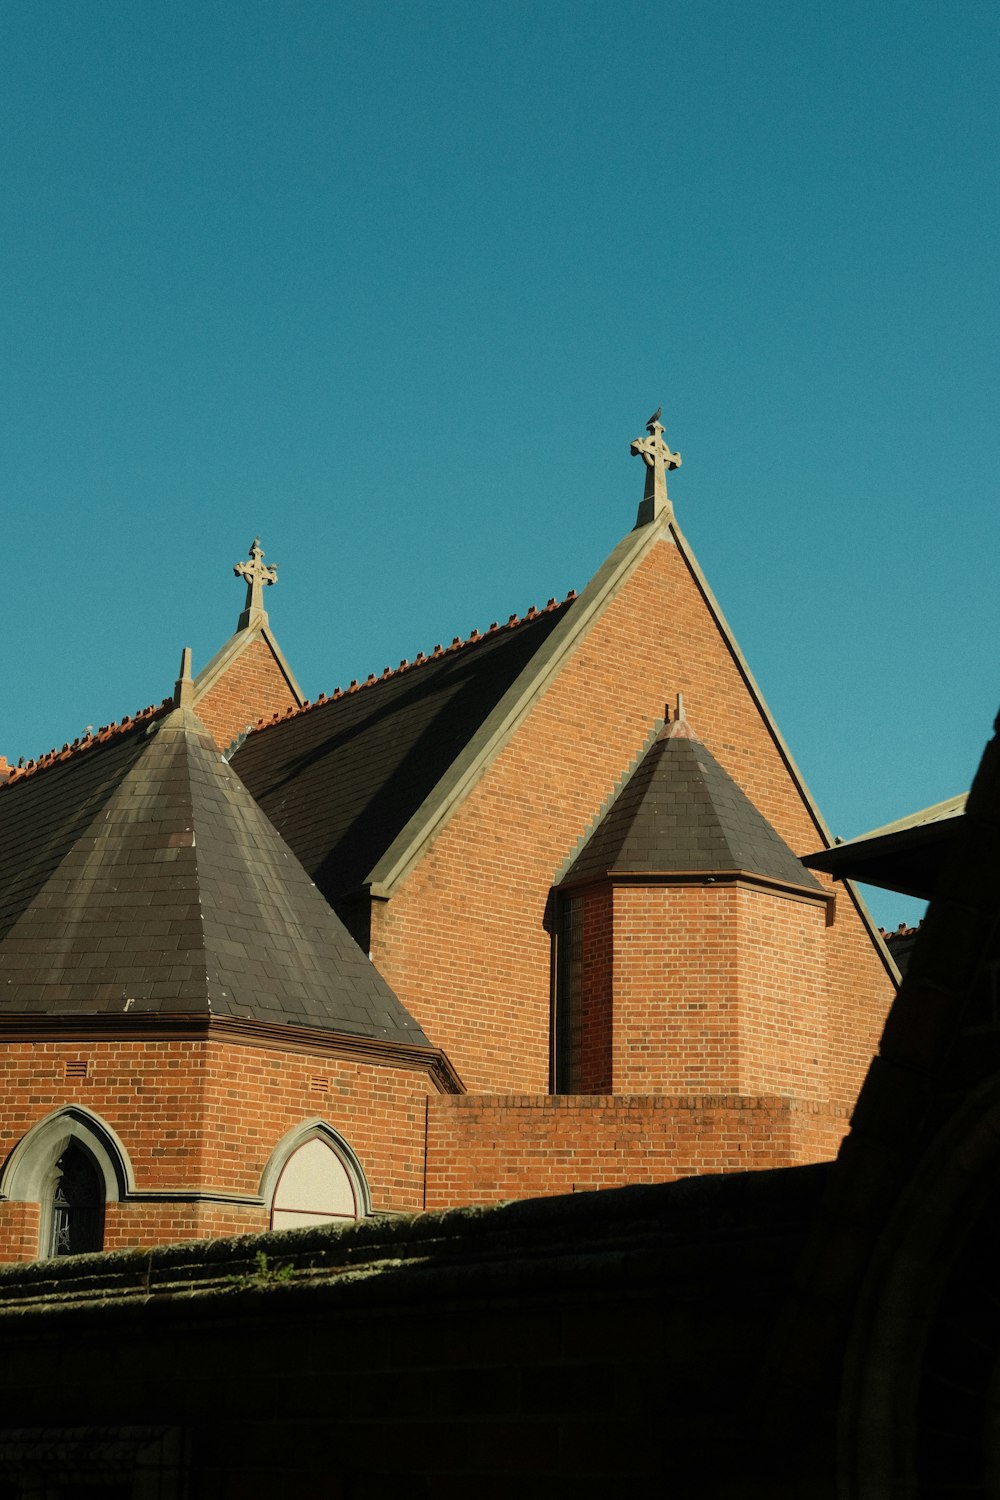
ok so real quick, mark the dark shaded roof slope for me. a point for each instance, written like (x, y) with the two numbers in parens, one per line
(160, 886)
(681, 812)
(49, 804)
(340, 779)
(906, 856)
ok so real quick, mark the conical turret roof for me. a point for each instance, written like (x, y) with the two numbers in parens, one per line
(157, 884)
(680, 812)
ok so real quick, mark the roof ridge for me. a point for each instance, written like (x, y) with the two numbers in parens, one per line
(85, 742)
(902, 931)
(390, 673)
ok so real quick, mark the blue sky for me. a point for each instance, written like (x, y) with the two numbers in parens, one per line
(395, 284)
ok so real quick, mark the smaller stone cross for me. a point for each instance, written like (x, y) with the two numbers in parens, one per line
(658, 458)
(257, 576)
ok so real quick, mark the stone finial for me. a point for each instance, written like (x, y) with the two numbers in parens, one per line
(675, 724)
(657, 457)
(258, 577)
(184, 686)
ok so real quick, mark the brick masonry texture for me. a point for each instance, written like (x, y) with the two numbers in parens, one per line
(717, 987)
(464, 940)
(489, 1148)
(205, 1115)
(725, 1027)
(252, 687)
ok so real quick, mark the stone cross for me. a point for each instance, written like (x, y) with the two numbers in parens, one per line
(658, 458)
(257, 576)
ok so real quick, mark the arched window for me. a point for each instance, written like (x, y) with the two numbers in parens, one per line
(71, 1164)
(77, 1211)
(314, 1177)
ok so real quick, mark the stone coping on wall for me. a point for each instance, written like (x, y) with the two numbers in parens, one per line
(784, 1103)
(508, 1247)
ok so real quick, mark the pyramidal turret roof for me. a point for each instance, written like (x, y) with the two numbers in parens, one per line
(680, 812)
(155, 883)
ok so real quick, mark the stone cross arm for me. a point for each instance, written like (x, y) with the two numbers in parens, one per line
(258, 576)
(658, 458)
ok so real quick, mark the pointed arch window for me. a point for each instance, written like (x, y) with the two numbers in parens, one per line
(72, 1164)
(313, 1188)
(77, 1213)
(315, 1178)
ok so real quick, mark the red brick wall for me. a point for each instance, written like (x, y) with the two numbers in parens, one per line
(378, 1110)
(488, 1148)
(676, 990)
(130, 1225)
(785, 999)
(712, 989)
(463, 940)
(20, 1230)
(206, 1115)
(252, 687)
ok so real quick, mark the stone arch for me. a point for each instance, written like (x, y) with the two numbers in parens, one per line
(72, 1164)
(928, 1324)
(28, 1168)
(314, 1176)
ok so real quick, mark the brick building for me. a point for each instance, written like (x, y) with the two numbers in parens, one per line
(492, 925)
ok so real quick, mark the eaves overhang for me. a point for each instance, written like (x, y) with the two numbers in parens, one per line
(182, 1025)
(617, 877)
(906, 856)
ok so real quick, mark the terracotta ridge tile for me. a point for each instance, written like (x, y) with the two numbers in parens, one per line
(899, 932)
(421, 659)
(85, 742)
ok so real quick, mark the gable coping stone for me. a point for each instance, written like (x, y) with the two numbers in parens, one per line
(499, 726)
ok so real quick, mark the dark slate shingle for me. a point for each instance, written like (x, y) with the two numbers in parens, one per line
(680, 811)
(342, 780)
(158, 884)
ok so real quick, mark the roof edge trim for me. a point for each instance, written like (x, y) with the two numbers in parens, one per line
(704, 877)
(938, 820)
(199, 1027)
(500, 725)
(742, 666)
(234, 647)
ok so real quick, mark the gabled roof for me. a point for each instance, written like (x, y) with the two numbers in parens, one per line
(680, 813)
(360, 786)
(140, 876)
(253, 625)
(234, 648)
(340, 778)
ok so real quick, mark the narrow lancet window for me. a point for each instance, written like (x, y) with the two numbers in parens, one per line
(569, 997)
(77, 1204)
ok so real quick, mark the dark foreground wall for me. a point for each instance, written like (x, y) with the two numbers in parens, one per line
(602, 1344)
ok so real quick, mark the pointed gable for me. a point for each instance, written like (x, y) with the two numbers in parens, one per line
(160, 886)
(249, 678)
(681, 813)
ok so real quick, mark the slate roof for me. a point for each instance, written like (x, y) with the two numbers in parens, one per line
(340, 779)
(139, 875)
(680, 812)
